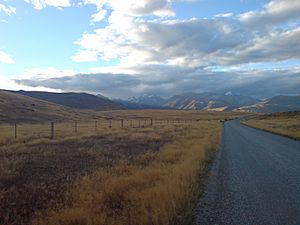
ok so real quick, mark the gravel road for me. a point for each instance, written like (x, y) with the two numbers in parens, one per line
(255, 179)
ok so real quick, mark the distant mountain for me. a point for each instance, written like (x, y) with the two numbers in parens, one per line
(147, 100)
(74, 100)
(275, 104)
(137, 106)
(209, 101)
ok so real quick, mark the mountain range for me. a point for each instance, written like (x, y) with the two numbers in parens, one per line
(215, 102)
(146, 101)
(186, 101)
(209, 101)
(275, 104)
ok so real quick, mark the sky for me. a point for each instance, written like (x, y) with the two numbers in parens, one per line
(128, 48)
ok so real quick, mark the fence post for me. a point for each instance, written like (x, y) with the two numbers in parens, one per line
(16, 131)
(52, 130)
(122, 123)
(151, 122)
(110, 123)
(76, 127)
(139, 124)
(96, 125)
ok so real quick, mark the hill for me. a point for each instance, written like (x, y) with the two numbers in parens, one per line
(74, 100)
(19, 108)
(209, 101)
(275, 104)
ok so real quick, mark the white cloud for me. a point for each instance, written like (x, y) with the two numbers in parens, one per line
(47, 73)
(275, 12)
(85, 56)
(226, 39)
(225, 15)
(186, 42)
(40, 4)
(98, 3)
(6, 58)
(9, 10)
(100, 15)
(142, 7)
(274, 47)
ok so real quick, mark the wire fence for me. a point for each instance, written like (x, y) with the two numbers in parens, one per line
(17, 132)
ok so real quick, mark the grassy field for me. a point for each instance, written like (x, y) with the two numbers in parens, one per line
(100, 122)
(140, 175)
(287, 124)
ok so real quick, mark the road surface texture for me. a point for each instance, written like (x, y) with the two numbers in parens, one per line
(255, 179)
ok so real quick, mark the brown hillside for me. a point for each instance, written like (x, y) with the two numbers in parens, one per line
(18, 108)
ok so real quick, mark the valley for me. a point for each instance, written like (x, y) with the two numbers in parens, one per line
(111, 166)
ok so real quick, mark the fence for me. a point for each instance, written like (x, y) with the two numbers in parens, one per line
(10, 133)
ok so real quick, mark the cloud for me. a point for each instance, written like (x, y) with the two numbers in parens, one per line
(274, 47)
(6, 58)
(9, 10)
(275, 12)
(50, 72)
(133, 38)
(158, 53)
(109, 84)
(142, 7)
(225, 15)
(9, 84)
(170, 80)
(160, 42)
(100, 15)
(270, 83)
(40, 4)
(85, 56)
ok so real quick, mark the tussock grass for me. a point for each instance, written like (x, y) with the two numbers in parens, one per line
(35, 175)
(286, 124)
(114, 175)
(64, 128)
(153, 188)
(9, 168)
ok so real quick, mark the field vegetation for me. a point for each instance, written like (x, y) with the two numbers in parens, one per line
(286, 124)
(99, 122)
(136, 175)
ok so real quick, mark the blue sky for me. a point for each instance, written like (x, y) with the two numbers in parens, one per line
(124, 48)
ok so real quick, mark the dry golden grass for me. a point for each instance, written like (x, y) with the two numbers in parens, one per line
(287, 124)
(146, 175)
(86, 126)
(154, 188)
(170, 114)
(35, 174)
(33, 131)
